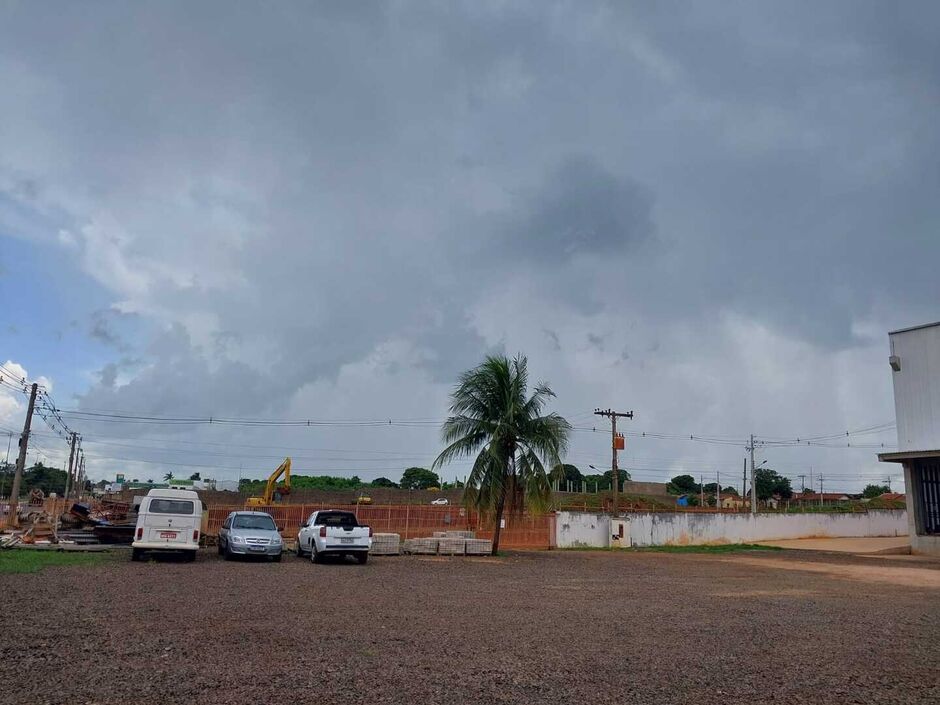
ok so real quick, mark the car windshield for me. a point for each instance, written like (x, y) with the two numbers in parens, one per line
(252, 521)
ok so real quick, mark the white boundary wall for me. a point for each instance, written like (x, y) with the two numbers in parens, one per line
(574, 529)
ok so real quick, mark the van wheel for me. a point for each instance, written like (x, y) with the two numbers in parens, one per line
(363, 558)
(137, 554)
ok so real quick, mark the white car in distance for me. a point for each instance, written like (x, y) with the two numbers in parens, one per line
(440, 502)
(333, 532)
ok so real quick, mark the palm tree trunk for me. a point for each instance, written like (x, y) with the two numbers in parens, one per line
(499, 519)
(502, 502)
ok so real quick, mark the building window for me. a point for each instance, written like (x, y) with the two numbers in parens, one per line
(929, 499)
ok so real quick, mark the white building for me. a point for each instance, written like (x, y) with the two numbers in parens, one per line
(915, 365)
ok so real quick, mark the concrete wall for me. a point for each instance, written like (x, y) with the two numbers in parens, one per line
(663, 528)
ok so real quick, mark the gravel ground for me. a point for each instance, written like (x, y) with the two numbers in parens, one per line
(563, 627)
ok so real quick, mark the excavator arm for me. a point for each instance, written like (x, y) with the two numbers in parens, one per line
(283, 470)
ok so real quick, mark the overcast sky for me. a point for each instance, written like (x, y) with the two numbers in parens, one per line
(709, 213)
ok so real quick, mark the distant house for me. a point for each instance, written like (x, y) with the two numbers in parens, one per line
(733, 501)
(817, 498)
(892, 496)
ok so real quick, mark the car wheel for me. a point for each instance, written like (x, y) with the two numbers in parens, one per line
(300, 553)
(137, 554)
(277, 558)
(190, 557)
(218, 546)
(315, 555)
(228, 553)
(363, 558)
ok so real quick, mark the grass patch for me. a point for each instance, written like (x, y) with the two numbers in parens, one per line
(718, 548)
(30, 561)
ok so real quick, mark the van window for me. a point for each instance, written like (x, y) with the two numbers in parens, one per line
(171, 506)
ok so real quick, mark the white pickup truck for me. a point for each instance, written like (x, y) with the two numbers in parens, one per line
(332, 532)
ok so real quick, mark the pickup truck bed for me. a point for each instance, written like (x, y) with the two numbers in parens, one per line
(334, 532)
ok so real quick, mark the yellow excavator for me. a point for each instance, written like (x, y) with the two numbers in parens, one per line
(271, 491)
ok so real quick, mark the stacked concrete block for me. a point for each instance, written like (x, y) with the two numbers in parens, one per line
(454, 534)
(451, 546)
(478, 547)
(420, 546)
(385, 545)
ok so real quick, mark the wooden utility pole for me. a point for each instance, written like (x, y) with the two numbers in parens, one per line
(614, 471)
(13, 519)
(68, 478)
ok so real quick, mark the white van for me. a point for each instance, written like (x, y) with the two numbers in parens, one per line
(168, 520)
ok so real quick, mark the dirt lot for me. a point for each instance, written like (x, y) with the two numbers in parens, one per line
(557, 627)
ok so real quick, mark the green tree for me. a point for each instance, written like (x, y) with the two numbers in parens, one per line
(383, 482)
(682, 484)
(874, 491)
(494, 418)
(47, 479)
(770, 483)
(195, 476)
(168, 476)
(566, 473)
(419, 479)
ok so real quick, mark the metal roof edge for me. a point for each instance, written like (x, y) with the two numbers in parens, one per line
(909, 329)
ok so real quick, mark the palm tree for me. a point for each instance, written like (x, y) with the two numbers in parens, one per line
(493, 418)
(168, 476)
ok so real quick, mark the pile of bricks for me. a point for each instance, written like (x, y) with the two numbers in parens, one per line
(426, 547)
(449, 543)
(385, 545)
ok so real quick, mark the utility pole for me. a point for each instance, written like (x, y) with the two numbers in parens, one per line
(614, 472)
(13, 519)
(718, 491)
(6, 465)
(744, 481)
(820, 490)
(68, 478)
(802, 483)
(753, 479)
(888, 478)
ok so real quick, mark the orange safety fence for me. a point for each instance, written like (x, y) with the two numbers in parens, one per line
(407, 520)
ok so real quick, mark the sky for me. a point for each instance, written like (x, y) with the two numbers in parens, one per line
(709, 214)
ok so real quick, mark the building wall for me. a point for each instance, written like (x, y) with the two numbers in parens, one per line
(574, 529)
(917, 388)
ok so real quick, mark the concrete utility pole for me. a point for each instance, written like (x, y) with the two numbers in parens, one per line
(701, 489)
(68, 478)
(802, 483)
(820, 490)
(614, 471)
(718, 491)
(13, 519)
(753, 479)
(744, 482)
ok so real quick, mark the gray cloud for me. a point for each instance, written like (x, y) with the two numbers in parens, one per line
(295, 199)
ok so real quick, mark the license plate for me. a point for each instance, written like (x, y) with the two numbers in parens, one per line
(256, 548)
(346, 540)
(167, 534)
